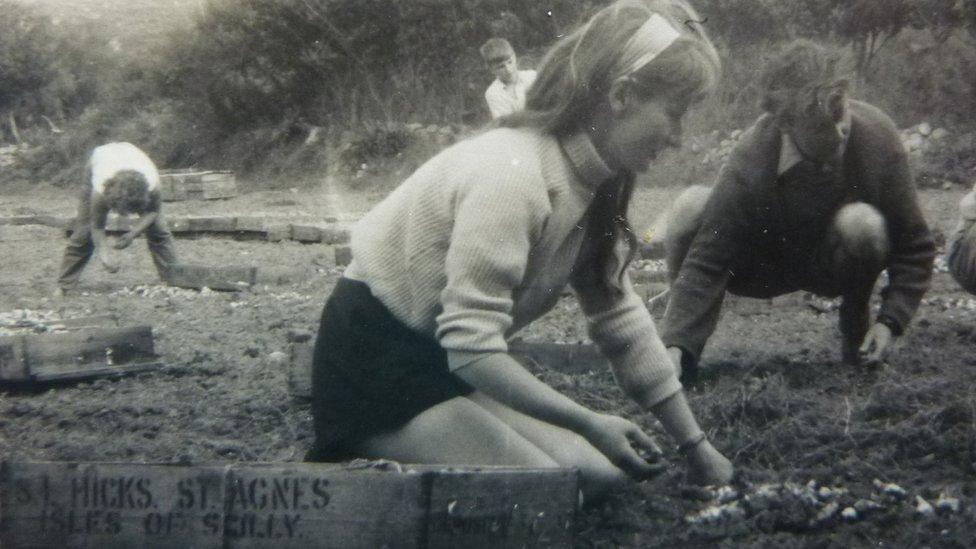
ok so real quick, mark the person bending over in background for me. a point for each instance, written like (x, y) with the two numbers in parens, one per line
(961, 248)
(507, 93)
(121, 178)
(411, 360)
(815, 196)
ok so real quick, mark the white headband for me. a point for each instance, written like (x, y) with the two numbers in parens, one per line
(648, 42)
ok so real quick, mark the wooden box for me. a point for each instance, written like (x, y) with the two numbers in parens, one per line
(287, 505)
(232, 279)
(80, 354)
(196, 184)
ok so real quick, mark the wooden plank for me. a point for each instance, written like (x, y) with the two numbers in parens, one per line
(90, 353)
(13, 359)
(212, 224)
(343, 256)
(502, 507)
(317, 505)
(219, 185)
(197, 184)
(91, 371)
(300, 368)
(288, 505)
(334, 235)
(251, 224)
(306, 233)
(233, 279)
(95, 505)
(46, 220)
(277, 233)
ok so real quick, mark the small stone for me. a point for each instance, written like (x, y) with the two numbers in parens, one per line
(890, 489)
(947, 504)
(947, 186)
(278, 357)
(827, 512)
(939, 133)
(866, 506)
(923, 507)
(924, 128)
(849, 514)
(914, 142)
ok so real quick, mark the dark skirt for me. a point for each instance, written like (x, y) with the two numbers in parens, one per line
(371, 373)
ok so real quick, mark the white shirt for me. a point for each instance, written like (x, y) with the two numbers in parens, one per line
(112, 158)
(503, 100)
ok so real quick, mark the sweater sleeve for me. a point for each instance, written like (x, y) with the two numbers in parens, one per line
(622, 328)
(697, 293)
(912, 247)
(961, 252)
(495, 223)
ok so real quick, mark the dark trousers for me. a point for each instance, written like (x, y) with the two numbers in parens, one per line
(80, 246)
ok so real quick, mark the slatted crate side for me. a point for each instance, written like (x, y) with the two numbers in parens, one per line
(499, 507)
(319, 505)
(108, 505)
(227, 278)
(90, 353)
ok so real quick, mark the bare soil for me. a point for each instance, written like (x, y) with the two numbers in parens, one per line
(808, 435)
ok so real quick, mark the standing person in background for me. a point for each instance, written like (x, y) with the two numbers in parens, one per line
(961, 247)
(817, 195)
(118, 177)
(507, 93)
(411, 361)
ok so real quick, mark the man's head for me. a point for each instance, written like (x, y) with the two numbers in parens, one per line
(500, 59)
(127, 192)
(805, 90)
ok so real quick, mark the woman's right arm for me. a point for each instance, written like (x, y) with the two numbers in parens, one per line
(502, 378)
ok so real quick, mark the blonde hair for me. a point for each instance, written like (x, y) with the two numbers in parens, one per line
(575, 77)
(577, 73)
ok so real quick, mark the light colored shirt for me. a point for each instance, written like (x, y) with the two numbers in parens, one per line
(505, 99)
(481, 240)
(109, 159)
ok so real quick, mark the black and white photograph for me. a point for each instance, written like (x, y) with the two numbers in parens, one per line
(487, 273)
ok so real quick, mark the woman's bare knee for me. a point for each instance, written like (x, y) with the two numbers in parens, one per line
(459, 432)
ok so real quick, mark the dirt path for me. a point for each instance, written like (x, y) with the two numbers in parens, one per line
(774, 396)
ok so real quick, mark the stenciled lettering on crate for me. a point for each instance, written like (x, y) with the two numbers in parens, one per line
(285, 505)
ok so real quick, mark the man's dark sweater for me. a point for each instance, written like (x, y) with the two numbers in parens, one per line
(761, 229)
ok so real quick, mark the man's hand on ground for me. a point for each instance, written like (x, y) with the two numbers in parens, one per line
(877, 344)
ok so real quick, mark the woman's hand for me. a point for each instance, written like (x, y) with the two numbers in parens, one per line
(625, 445)
(707, 466)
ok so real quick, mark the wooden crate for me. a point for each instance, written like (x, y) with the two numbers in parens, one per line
(197, 185)
(80, 354)
(288, 505)
(232, 279)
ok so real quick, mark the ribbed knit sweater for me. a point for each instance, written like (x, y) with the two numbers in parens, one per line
(481, 240)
